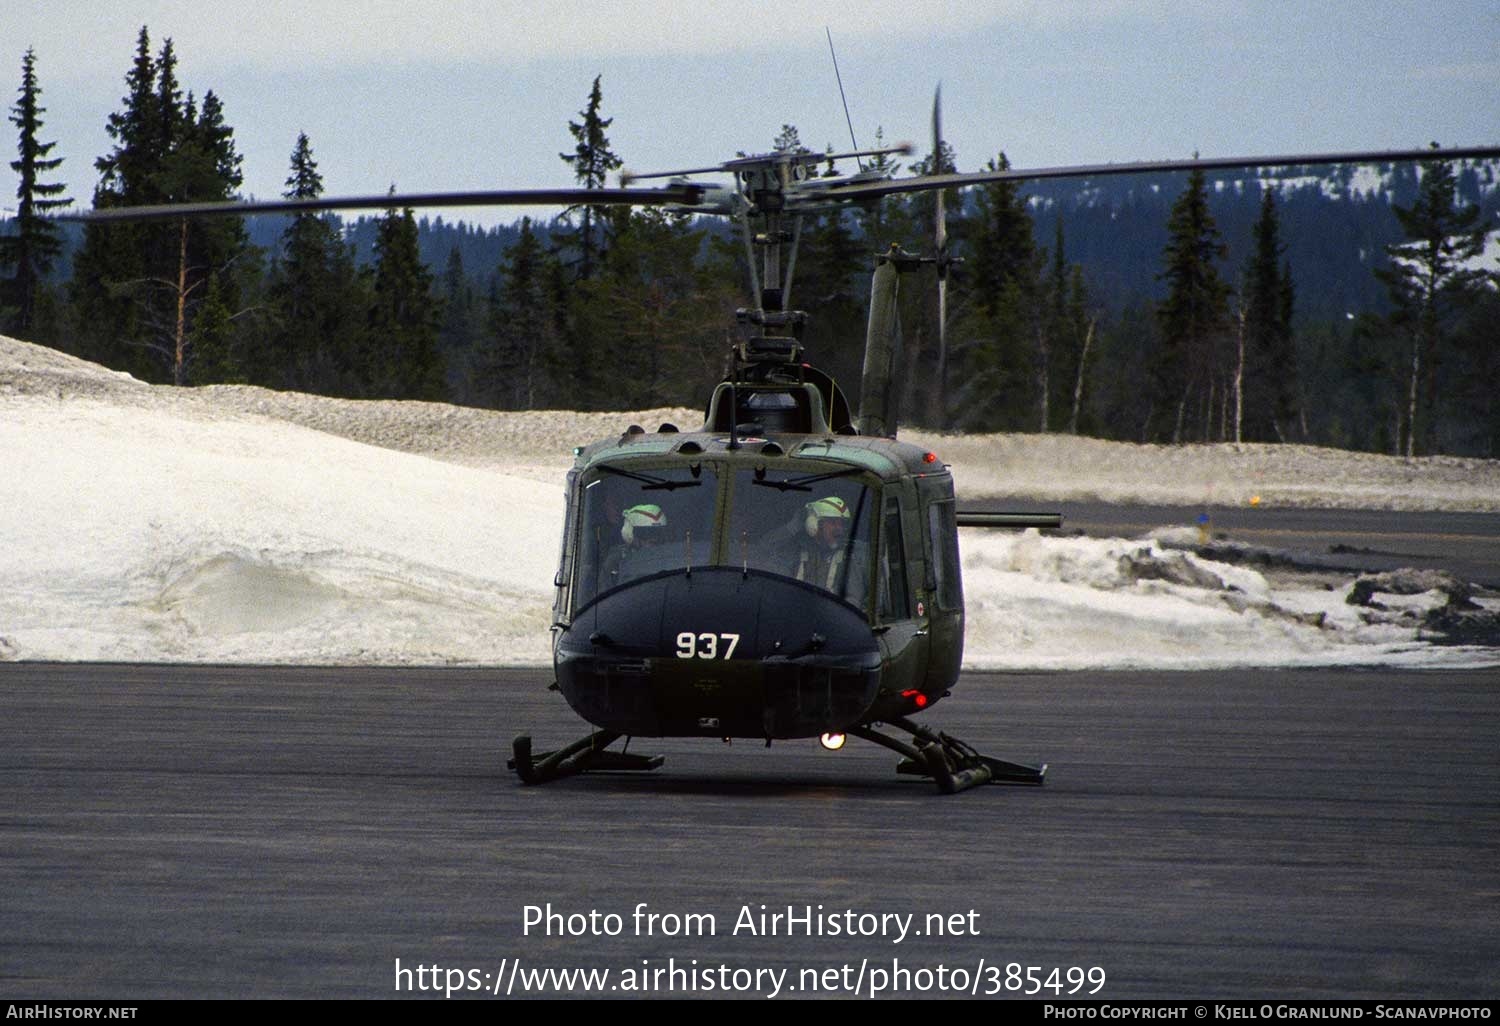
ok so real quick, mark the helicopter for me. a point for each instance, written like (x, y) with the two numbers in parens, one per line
(789, 569)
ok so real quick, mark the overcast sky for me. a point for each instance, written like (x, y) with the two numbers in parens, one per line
(445, 95)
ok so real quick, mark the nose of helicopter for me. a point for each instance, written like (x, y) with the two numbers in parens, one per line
(719, 652)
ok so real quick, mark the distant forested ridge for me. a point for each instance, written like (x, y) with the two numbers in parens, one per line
(1336, 224)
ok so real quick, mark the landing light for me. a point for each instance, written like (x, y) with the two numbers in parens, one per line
(832, 742)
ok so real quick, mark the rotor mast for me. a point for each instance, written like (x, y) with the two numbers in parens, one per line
(772, 193)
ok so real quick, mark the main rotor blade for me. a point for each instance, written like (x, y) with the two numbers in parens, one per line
(686, 194)
(937, 163)
(963, 179)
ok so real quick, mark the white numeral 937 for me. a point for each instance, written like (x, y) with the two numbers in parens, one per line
(705, 646)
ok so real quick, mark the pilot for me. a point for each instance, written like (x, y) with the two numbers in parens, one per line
(642, 529)
(601, 535)
(825, 556)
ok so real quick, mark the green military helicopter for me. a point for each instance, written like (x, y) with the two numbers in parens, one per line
(788, 569)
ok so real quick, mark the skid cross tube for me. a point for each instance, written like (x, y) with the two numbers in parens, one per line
(953, 765)
(582, 756)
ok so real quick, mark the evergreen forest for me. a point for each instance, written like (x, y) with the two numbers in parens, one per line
(1309, 308)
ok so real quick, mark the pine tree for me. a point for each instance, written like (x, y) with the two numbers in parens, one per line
(1082, 318)
(831, 284)
(1068, 323)
(1000, 345)
(592, 160)
(1002, 242)
(35, 245)
(214, 346)
(523, 361)
(1270, 365)
(459, 334)
(1191, 378)
(314, 295)
(1478, 393)
(885, 220)
(788, 140)
(401, 350)
(1430, 286)
(125, 173)
(663, 313)
(138, 286)
(113, 255)
(204, 165)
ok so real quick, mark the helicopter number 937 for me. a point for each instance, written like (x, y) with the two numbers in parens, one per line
(769, 576)
(788, 569)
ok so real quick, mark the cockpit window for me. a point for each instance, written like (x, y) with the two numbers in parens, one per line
(806, 523)
(813, 526)
(641, 522)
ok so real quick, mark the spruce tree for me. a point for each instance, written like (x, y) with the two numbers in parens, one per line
(35, 244)
(832, 285)
(125, 173)
(1191, 375)
(401, 350)
(884, 220)
(522, 364)
(1270, 371)
(204, 165)
(788, 140)
(458, 336)
(661, 314)
(214, 345)
(999, 342)
(592, 160)
(113, 255)
(1001, 240)
(315, 299)
(1067, 325)
(139, 286)
(1431, 283)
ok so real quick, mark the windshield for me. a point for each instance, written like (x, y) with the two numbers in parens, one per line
(641, 522)
(812, 526)
(809, 524)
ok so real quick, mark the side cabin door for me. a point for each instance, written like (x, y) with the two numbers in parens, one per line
(903, 632)
(942, 584)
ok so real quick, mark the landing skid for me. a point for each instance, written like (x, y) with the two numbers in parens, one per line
(585, 755)
(953, 765)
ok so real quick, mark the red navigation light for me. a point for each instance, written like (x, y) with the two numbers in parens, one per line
(917, 698)
(930, 457)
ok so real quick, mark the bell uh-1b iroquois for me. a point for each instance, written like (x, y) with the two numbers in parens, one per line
(788, 569)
